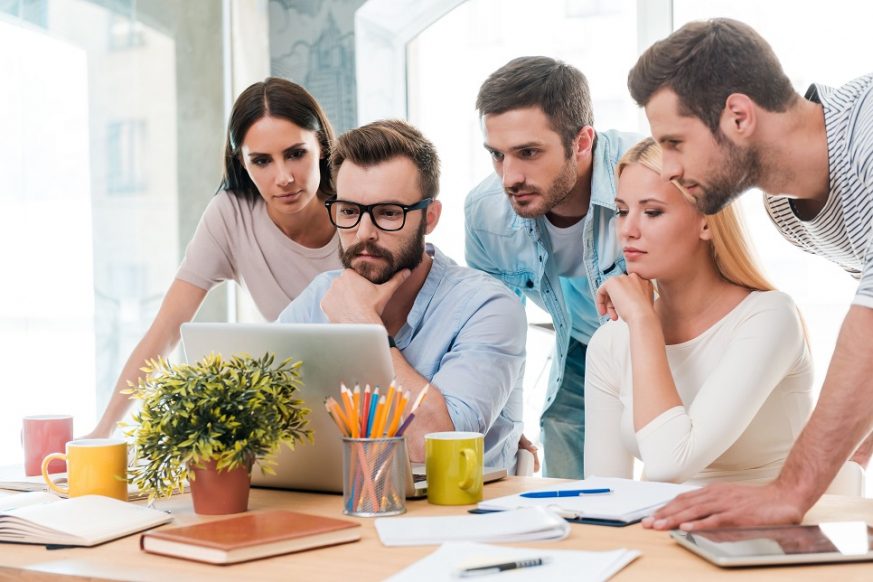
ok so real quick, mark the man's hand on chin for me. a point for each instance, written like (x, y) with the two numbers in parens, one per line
(353, 298)
(728, 504)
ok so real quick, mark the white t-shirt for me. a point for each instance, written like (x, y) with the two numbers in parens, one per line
(567, 248)
(237, 240)
(746, 388)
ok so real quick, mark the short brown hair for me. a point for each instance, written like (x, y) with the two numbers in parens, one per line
(704, 62)
(557, 88)
(381, 141)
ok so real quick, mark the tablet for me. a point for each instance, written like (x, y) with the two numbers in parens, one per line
(841, 541)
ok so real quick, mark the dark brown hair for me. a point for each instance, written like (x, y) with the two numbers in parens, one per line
(274, 97)
(705, 62)
(557, 88)
(384, 140)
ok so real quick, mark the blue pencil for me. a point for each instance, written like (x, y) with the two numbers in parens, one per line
(374, 400)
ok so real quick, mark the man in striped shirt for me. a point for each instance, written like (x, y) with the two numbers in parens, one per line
(728, 119)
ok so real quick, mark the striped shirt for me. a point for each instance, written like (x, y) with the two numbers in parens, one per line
(841, 232)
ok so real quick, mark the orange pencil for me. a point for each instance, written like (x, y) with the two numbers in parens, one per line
(356, 400)
(399, 404)
(388, 401)
(349, 409)
(381, 412)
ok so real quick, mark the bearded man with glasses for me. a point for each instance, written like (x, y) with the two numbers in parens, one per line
(453, 327)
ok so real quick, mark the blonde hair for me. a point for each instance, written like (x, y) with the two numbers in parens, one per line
(731, 252)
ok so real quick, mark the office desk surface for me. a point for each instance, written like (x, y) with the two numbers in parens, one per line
(369, 560)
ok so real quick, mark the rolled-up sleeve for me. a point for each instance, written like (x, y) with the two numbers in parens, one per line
(485, 362)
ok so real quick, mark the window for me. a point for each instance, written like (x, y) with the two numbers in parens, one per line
(126, 152)
(107, 167)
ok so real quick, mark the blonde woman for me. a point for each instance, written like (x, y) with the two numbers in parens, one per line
(711, 380)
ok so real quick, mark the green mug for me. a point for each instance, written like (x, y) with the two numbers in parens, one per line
(453, 461)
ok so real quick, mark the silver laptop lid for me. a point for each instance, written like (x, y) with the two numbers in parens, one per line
(331, 353)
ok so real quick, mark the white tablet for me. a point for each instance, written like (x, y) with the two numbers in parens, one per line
(331, 353)
(842, 541)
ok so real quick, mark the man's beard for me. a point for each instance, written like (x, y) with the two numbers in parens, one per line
(559, 191)
(741, 171)
(408, 257)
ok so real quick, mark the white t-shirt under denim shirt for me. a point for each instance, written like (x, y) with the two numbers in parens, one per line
(746, 390)
(237, 240)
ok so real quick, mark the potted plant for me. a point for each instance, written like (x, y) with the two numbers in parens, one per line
(208, 421)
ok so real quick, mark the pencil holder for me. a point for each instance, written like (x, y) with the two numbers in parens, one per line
(374, 476)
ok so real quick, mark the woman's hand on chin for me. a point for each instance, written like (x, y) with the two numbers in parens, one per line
(629, 297)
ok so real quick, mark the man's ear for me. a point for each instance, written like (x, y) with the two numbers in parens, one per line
(739, 118)
(583, 143)
(432, 215)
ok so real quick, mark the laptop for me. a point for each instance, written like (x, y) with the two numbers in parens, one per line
(331, 353)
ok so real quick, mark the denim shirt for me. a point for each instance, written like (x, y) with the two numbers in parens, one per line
(466, 335)
(517, 250)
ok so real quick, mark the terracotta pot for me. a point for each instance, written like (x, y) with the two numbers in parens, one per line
(219, 492)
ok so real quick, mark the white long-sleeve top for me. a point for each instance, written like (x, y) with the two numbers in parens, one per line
(746, 390)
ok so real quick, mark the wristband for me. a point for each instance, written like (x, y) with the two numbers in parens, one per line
(391, 342)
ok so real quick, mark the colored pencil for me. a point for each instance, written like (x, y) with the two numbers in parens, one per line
(371, 416)
(405, 424)
(349, 409)
(418, 400)
(398, 412)
(365, 412)
(339, 423)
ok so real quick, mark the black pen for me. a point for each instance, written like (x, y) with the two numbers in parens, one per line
(501, 567)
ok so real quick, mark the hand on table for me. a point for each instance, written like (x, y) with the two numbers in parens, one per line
(727, 504)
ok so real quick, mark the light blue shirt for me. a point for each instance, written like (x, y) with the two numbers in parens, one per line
(466, 334)
(517, 251)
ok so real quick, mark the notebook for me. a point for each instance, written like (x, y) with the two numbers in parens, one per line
(254, 535)
(629, 501)
(532, 523)
(43, 518)
(331, 353)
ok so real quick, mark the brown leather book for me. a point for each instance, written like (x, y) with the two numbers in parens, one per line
(250, 536)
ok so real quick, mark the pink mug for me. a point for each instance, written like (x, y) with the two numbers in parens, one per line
(42, 435)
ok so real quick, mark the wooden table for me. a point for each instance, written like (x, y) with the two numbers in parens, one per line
(369, 560)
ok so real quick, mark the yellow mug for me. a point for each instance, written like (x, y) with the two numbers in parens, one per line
(453, 461)
(94, 467)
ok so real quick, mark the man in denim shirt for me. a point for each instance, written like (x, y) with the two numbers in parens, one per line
(543, 223)
(454, 327)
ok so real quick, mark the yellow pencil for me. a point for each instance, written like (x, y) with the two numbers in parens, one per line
(338, 411)
(349, 409)
(388, 401)
(339, 424)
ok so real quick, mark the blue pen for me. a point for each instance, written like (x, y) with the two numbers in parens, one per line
(565, 493)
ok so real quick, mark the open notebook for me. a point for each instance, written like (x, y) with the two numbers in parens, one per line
(628, 502)
(43, 518)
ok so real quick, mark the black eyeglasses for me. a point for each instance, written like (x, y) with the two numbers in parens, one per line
(388, 216)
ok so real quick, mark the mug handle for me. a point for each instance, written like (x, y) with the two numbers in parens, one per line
(52, 485)
(469, 458)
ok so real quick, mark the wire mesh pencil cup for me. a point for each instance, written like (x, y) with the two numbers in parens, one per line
(374, 476)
